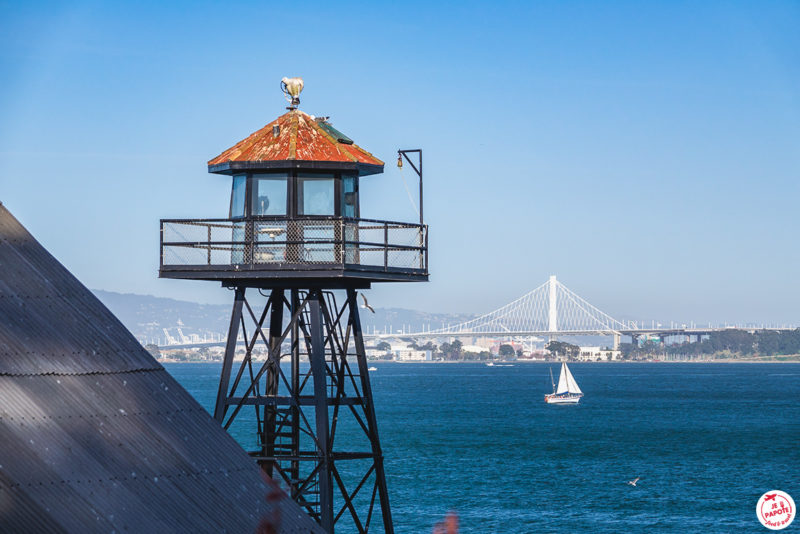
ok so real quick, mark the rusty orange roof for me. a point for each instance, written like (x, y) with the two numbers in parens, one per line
(296, 140)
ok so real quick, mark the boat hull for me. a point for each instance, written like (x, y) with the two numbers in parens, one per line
(562, 399)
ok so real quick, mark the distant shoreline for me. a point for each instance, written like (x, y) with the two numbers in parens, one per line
(604, 362)
(526, 362)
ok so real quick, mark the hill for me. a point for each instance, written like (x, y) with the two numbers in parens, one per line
(147, 317)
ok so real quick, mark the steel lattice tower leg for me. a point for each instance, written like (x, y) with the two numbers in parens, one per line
(301, 409)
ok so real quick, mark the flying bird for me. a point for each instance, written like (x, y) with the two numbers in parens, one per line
(366, 304)
(634, 481)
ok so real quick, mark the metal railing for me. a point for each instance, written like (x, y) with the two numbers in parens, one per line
(273, 242)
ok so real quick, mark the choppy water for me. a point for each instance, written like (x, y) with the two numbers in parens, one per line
(706, 439)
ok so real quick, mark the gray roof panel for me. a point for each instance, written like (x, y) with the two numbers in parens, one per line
(95, 436)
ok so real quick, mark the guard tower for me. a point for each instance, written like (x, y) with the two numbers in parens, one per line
(295, 252)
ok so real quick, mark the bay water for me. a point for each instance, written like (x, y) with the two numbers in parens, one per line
(706, 439)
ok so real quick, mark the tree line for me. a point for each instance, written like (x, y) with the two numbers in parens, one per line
(740, 342)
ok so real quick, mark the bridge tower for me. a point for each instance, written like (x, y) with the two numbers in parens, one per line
(295, 252)
(552, 307)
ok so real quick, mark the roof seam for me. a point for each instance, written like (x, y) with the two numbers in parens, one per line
(134, 477)
(86, 373)
(293, 137)
(315, 125)
(119, 413)
(245, 144)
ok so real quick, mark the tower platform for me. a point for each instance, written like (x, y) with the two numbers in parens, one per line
(330, 252)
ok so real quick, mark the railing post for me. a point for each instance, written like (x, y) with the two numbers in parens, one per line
(426, 249)
(293, 230)
(353, 234)
(161, 247)
(340, 244)
(209, 244)
(249, 242)
(385, 246)
(421, 246)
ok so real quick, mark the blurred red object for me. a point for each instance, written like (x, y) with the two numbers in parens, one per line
(448, 526)
(271, 523)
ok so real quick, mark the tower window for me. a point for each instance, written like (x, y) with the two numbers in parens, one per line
(269, 194)
(349, 196)
(238, 196)
(316, 194)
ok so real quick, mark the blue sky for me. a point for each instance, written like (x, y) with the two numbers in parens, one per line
(646, 153)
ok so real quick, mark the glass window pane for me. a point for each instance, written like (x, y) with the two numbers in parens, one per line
(316, 195)
(349, 197)
(269, 194)
(237, 196)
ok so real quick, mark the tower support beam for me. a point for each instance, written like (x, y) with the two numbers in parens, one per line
(318, 369)
(300, 409)
(372, 421)
(230, 351)
(274, 361)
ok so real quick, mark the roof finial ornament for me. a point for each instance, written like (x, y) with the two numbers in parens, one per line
(291, 88)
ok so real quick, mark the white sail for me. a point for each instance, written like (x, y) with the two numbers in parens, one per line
(572, 386)
(567, 391)
(563, 386)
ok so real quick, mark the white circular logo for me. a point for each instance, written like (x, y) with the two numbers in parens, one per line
(775, 510)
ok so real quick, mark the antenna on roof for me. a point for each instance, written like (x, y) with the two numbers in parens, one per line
(292, 87)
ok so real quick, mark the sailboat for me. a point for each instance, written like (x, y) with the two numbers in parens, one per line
(567, 392)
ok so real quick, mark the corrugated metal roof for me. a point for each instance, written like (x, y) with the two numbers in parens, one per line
(95, 436)
(299, 137)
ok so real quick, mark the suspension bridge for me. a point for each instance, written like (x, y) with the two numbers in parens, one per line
(551, 310)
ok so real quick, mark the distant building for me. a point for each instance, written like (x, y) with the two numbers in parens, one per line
(477, 349)
(536, 354)
(411, 355)
(487, 343)
(375, 354)
(592, 354)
